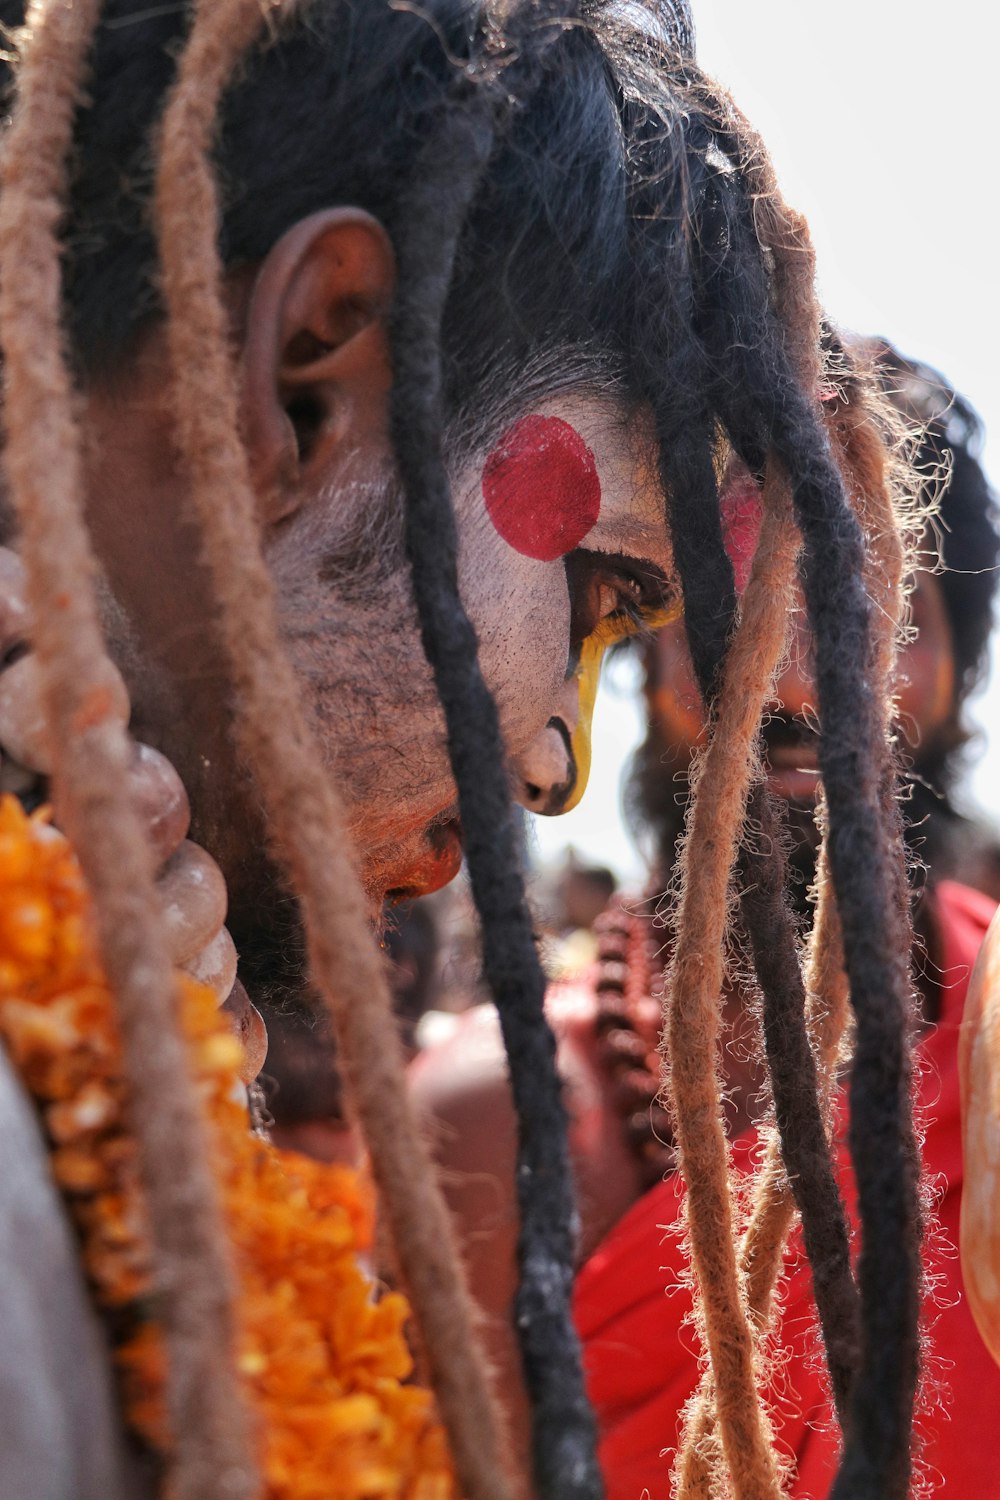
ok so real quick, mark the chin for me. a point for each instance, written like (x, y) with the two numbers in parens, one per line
(421, 864)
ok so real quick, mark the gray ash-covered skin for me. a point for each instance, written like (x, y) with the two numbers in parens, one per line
(593, 258)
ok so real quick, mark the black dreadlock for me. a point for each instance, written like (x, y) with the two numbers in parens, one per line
(766, 912)
(563, 1425)
(877, 1455)
(727, 318)
(877, 1451)
(747, 355)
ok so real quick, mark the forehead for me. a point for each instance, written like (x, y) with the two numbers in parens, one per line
(575, 468)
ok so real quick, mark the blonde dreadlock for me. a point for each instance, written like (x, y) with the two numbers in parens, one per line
(303, 810)
(827, 1013)
(212, 1454)
(771, 1217)
(695, 983)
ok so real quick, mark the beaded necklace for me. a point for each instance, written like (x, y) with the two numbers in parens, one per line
(626, 1026)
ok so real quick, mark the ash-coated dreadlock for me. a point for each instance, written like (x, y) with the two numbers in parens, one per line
(549, 182)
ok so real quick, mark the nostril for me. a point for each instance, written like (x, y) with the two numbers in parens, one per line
(545, 772)
(546, 802)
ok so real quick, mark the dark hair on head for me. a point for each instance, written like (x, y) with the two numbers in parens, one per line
(552, 180)
(966, 538)
(599, 876)
(961, 545)
(543, 255)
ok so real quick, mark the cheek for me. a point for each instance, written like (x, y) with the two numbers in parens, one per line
(520, 609)
(926, 668)
(541, 488)
(927, 691)
(740, 507)
(675, 703)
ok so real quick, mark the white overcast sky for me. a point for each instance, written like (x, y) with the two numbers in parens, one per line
(881, 117)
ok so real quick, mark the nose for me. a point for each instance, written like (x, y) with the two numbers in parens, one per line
(554, 769)
(547, 771)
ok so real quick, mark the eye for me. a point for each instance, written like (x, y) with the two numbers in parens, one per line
(633, 602)
(613, 596)
(621, 604)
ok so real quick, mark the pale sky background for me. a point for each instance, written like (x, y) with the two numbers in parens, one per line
(881, 118)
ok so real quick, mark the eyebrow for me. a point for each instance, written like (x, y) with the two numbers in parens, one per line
(667, 585)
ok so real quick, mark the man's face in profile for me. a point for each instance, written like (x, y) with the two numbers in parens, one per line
(562, 548)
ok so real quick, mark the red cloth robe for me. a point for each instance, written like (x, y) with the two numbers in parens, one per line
(640, 1355)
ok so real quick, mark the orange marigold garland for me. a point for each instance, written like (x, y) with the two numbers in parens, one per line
(325, 1363)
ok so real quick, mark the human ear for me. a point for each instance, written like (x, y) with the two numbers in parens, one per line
(316, 370)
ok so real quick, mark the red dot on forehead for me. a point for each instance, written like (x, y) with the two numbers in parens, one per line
(541, 487)
(741, 520)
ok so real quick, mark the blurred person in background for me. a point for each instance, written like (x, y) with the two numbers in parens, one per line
(300, 1085)
(566, 907)
(953, 590)
(640, 1363)
(584, 891)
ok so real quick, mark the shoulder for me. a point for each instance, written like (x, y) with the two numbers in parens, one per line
(979, 1068)
(463, 1083)
(964, 913)
(59, 1428)
(462, 1088)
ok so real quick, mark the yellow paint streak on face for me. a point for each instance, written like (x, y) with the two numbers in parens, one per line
(588, 677)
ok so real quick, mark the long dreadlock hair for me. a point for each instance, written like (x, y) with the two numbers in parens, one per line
(549, 179)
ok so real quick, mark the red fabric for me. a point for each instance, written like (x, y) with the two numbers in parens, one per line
(631, 1304)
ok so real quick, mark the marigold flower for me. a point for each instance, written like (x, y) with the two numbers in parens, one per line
(324, 1361)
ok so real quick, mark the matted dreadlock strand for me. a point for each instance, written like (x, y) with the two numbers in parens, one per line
(826, 1009)
(772, 1211)
(700, 558)
(863, 852)
(798, 1110)
(696, 978)
(801, 1119)
(798, 1095)
(563, 1429)
(773, 939)
(873, 474)
(861, 452)
(211, 1447)
(686, 436)
(862, 455)
(304, 816)
(827, 1013)
(751, 663)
